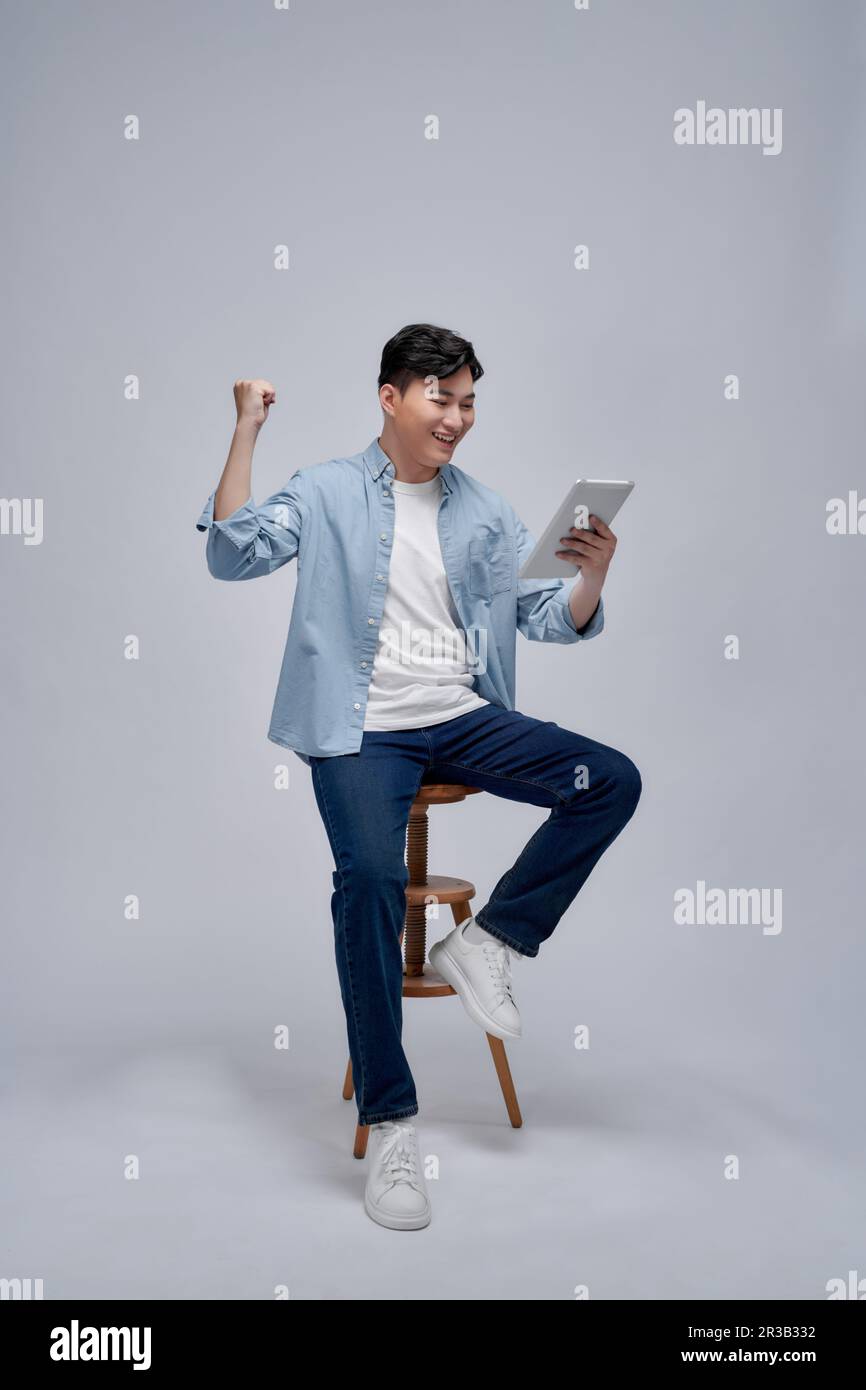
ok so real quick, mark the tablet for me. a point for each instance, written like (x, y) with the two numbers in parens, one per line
(601, 497)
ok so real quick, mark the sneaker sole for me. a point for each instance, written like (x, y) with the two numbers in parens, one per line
(449, 969)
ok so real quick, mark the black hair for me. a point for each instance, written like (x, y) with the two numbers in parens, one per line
(421, 350)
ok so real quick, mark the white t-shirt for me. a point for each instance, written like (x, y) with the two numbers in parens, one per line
(421, 672)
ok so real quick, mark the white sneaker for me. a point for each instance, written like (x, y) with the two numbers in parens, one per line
(396, 1193)
(480, 972)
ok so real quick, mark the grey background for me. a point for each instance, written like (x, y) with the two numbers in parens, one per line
(155, 777)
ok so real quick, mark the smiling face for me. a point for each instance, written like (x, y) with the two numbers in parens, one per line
(432, 417)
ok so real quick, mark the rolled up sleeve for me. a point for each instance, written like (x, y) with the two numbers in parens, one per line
(254, 540)
(543, 614)
(593, 624)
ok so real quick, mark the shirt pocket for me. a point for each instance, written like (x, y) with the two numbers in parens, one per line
(491, 564)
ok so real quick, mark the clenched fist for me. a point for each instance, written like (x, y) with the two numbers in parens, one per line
(252, 399)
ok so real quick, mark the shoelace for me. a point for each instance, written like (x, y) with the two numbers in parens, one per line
(398, 1155)
(499, 965)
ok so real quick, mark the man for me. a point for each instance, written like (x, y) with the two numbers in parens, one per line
(400, 663)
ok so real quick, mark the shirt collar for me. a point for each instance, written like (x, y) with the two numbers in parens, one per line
(378, 462)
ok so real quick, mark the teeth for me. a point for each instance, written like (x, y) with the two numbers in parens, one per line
(446, 438)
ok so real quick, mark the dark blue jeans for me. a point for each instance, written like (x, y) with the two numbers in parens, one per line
(364, 799)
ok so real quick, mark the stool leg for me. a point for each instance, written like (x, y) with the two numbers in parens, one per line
(348, 1084)
(503, 1071)
(362, 1132)
(497, 1046)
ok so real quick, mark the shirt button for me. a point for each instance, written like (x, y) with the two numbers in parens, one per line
(383, 535)
(385, 492)
(370, 622)
(357, 706)
(380, 576)
(363, 663)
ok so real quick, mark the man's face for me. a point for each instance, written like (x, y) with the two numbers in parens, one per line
(434, 415)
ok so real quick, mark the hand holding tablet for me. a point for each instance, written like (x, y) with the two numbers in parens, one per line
(601, 497)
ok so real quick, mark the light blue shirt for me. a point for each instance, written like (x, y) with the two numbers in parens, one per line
(338, 519)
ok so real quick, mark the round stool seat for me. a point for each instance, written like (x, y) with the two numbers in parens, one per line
(441, 887)
(440, 793)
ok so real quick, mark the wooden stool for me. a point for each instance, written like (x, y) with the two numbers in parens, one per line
(420, 980)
